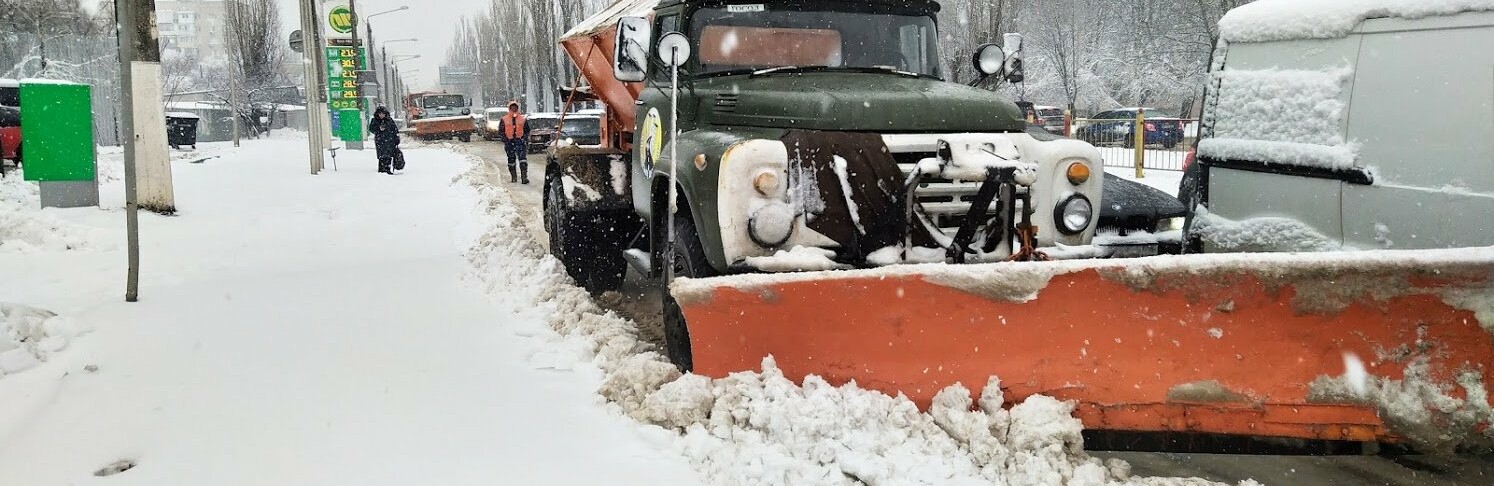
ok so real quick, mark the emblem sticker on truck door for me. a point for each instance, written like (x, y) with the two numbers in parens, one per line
(652, 142)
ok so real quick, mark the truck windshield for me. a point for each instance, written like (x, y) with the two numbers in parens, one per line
(444, 101)
(749, 37)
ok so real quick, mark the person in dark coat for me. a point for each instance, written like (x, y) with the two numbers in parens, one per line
(514, 130)
(386, 140)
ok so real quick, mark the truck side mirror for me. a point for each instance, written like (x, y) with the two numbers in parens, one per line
(1013, 52)
(630, 60)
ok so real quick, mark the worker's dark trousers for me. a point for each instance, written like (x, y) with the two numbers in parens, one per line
(518, 158)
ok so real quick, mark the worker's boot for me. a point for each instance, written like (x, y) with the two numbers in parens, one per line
(526, 178)
(512, 178)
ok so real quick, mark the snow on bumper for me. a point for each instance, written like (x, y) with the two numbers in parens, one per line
(763, 210)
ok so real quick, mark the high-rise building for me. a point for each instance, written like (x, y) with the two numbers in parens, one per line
(193, 28)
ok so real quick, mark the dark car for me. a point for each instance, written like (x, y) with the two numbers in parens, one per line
(582, 129)
(1050, 118)
(542, 130)
(1116, 127)
(10, 135)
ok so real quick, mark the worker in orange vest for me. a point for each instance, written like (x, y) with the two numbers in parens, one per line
(515, 132)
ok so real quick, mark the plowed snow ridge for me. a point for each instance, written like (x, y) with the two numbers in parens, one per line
(760, 427)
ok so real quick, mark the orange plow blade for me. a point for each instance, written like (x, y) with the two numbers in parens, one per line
(1372, 346)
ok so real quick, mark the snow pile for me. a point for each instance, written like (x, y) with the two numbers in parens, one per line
(1281, 116)
(762, 428)
(28, 335)
(1275, 20)
(1417, 408)
(25, 228)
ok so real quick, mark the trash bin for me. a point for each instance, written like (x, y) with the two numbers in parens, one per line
(181, 130)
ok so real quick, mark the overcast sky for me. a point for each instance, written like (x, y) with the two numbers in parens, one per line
(431, 21)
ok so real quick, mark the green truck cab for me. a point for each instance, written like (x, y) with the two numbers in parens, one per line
(812, 135)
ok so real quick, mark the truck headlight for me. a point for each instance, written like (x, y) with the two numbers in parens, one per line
(771, 225)
(1074, 214)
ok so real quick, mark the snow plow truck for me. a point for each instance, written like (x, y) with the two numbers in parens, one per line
(437, 116)
(823, 196)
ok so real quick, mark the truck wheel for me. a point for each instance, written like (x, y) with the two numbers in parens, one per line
(689, 261)
(588, 243)
(466, 138)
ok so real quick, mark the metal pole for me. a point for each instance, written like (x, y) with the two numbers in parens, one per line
(674, 133)
(140, 60)
(1140, 140)
(357, 48)
(233, 99)
(318, 50)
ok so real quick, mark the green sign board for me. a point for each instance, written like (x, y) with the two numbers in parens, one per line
(343, 66)
(350, 125)
(57, 132)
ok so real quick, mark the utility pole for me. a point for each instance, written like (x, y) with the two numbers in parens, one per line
(233, 99)
(357, 59)
(144, 127)
(315, 137)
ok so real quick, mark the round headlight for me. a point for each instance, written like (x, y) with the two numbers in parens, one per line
(771, 225)
(1074, 214)
(989, 59)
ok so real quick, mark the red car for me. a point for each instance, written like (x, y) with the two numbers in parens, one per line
(10, 134)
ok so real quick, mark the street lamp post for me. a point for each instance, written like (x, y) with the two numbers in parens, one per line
(385, 81)
(368, 28)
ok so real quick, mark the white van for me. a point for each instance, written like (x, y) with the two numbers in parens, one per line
(1360, 124)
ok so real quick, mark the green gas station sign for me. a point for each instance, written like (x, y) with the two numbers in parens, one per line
(343, 66)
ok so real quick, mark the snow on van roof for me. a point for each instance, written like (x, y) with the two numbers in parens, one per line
(1276, 20)
(9, 83)
(608, 16)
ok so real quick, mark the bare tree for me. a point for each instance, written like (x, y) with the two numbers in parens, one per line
(256, 56)
(47, 20)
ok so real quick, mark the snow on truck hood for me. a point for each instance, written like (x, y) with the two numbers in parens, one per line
(1277, 20)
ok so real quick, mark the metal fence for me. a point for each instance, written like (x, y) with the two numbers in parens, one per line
(92, 60)
(1162, 144)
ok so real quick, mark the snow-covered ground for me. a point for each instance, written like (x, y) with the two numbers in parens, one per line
(297, 329)
(357, 328)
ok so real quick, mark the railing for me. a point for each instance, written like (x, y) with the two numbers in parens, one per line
(1161, 145)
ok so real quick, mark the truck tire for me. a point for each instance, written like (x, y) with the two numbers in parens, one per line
(689, 261)
(588, 243)
(466, 138)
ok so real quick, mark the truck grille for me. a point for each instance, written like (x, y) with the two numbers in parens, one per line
(946, 202)
(726, 103)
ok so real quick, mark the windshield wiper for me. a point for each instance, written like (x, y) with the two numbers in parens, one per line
(851, 69)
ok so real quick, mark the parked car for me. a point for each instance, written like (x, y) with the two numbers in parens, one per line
(10, 136)
(10, 92)
(1115, 127)
(489, 127)
(582, 129)
(541, 130)
(1050, 118)
(1353, 174)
